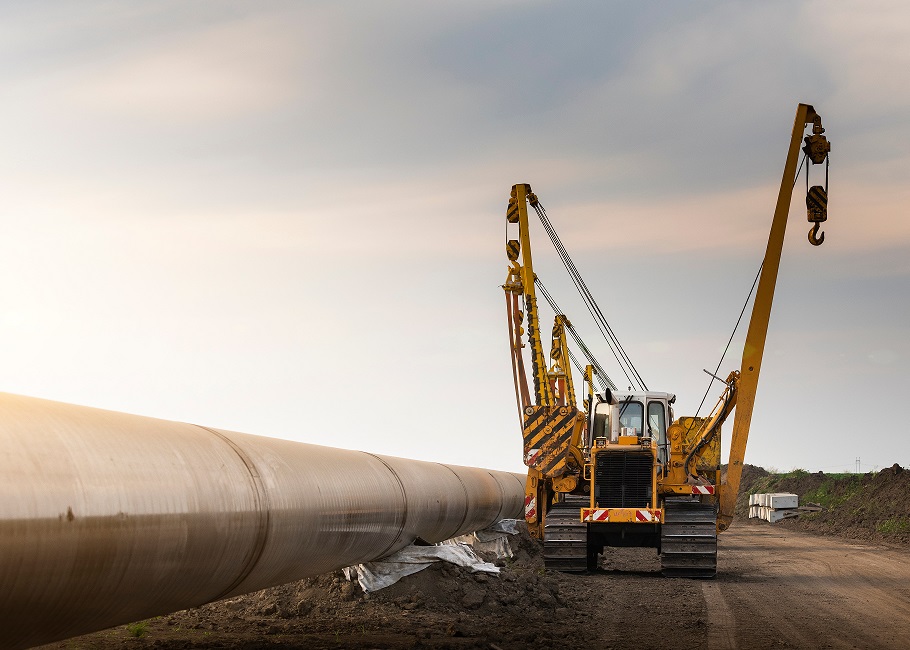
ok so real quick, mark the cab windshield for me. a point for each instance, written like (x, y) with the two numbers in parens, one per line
(631, 415)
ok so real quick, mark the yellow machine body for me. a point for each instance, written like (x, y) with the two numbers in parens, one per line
(623, 471)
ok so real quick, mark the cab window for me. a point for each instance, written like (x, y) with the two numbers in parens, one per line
(631, 414)
(657, 423)
(601, 428)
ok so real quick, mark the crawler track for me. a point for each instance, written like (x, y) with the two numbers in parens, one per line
(565, 538)
(688, 539)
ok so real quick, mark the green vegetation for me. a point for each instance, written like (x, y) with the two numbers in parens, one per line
(772, 482)
(894, 525)
(860, 506)
(137, 630)
(834, 491)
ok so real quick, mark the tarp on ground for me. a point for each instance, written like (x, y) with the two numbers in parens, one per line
(462, 551)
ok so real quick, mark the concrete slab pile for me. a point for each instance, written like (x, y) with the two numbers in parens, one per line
(773, 506)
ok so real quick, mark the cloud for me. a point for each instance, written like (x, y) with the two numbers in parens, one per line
(220, 72)
(246, 214)
(869, 50)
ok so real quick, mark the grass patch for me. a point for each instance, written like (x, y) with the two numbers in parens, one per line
(764, 484)
(894, 525)
(833, 492)
(137, 630)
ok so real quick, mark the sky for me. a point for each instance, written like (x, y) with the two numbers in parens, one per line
(287, 218)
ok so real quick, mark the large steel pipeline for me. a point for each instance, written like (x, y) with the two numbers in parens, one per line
(107, 518)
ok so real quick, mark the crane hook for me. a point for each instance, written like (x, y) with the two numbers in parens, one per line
(814, 237)
(817, 212)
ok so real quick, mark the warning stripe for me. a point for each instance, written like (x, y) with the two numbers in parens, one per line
(536, 424)
(549, 430)
(604, 515)
(555, 457)
(702, 489)
(530, 507)
(512, 211)
(817, 196)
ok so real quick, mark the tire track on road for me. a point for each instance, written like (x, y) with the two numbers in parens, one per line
(721, 622)
(790, 589)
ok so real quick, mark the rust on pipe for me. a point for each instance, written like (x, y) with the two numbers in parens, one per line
(108, 518)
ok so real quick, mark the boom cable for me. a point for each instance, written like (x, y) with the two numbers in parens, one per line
(602, 377)
(625, 363)
(743, 310)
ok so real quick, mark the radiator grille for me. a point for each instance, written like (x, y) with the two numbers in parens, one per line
(623, 479)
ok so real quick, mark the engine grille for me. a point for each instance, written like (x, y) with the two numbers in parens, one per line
(623, 479)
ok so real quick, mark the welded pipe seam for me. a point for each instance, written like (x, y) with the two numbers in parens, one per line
(404, 507)
(466, 496)
(262, 505)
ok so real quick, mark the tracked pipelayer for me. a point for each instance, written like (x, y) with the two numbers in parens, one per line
(622, 471)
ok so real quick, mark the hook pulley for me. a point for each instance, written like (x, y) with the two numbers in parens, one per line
(817, 149)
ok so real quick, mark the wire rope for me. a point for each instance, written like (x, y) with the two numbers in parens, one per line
(625, 363)
(743, 310)
(602, 377)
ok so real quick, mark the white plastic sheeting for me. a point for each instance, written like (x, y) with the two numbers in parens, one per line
(462, 550)
(493, 540)
(374, 576)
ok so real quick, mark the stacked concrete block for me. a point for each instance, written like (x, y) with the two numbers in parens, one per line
(773, 506)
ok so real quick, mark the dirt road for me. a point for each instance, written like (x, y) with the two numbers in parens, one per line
(782, 588)
(776, 588)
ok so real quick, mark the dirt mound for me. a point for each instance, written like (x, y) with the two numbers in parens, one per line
(872, 506)
(525, 606)
(444, 606)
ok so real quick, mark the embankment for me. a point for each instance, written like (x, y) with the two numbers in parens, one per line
(872, 506)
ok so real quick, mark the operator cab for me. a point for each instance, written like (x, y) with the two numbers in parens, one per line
(623, 414)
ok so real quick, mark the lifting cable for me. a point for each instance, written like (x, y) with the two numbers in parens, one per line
(612, 341)
(730, 340)
(742, 312)
(602, 377)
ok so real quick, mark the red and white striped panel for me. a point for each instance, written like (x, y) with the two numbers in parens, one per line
(702, 489)
(532, 457)
(599, 514)
(644, 515)
(530, 507)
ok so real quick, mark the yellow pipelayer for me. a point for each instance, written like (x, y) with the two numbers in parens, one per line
(623, 471)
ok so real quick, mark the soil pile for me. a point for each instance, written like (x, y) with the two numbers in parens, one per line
(525, 606)
(444, 606)
(872, 507)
